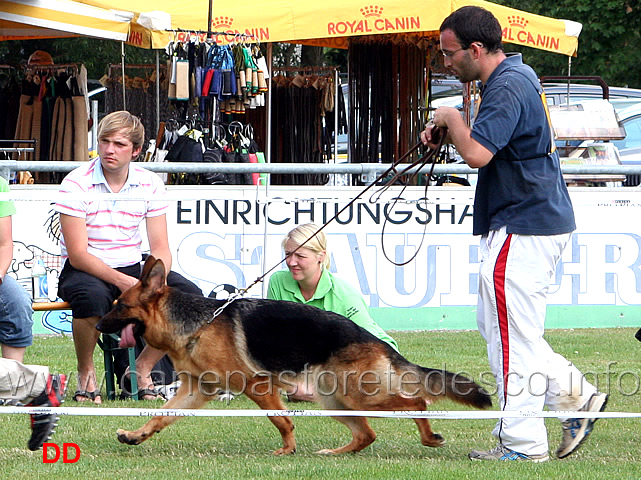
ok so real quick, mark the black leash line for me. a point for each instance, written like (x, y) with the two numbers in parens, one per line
(430, 155)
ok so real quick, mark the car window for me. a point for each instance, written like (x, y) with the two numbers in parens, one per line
(633, 133)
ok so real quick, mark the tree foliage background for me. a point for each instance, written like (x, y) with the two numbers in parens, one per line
(95, 54)
(609, 45)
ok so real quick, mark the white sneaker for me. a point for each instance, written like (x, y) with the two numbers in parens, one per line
(224, 396)
(501, 452)
(170, 390)
(576, 430)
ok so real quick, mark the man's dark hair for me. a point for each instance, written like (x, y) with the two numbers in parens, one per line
(475, 24)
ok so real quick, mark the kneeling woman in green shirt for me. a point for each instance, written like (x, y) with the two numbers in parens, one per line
(310, 281)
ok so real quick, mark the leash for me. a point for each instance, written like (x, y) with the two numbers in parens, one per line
(438, 137)
(232, 298)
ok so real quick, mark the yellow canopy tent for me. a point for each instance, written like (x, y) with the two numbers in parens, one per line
(27, 19)
(332, 22)
(536, 31)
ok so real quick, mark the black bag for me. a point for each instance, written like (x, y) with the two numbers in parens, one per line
(185, 149)
(214, 155)
(238, 178)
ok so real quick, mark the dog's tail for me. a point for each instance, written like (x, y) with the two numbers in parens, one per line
(457, 387)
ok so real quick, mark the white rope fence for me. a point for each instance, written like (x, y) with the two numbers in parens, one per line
(429, 414)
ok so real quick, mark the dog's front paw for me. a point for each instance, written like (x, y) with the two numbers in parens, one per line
(128, 437)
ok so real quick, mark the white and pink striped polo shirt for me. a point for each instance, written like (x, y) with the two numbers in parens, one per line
(113, 226)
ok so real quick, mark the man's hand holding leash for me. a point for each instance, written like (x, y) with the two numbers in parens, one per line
(431, 136)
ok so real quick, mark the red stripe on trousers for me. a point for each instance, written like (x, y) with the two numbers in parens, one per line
(501, 309)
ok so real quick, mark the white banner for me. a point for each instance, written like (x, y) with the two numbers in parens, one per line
(231, 235)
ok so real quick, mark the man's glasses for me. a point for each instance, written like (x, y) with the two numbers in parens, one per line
(451, 54)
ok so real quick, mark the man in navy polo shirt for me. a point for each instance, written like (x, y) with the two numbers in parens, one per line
(522, 211)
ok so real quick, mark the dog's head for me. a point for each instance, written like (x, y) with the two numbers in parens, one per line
(136, 307)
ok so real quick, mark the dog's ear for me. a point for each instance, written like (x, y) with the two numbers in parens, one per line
(149, 262)
(153, 275)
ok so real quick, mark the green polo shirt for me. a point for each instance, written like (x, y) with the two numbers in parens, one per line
(7, 208)
(333, 295)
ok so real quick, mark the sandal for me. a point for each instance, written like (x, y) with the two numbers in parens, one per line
(145, 392)
(88, 395)
(150, 392)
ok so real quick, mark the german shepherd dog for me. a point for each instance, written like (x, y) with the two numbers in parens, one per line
(263, 347)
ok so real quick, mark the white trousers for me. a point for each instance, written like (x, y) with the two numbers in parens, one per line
(21, 382)
(515, 275)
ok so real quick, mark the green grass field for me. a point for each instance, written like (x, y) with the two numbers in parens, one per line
(239, 448)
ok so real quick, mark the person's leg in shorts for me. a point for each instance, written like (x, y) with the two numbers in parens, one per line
(176, 280)
(16, 319)
(90, 299)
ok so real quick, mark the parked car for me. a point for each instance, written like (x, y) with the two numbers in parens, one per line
(626, 103)
(619, 97)
(630, 118)
(630, 147)
(557, 94)
(631, 156)
(446, 87)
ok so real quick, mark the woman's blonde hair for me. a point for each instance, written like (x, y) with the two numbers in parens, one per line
(123, 122)
(317, 244)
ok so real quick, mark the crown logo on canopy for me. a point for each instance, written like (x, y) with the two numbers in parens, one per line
(223, 22)
(516, 21)
(372, 11)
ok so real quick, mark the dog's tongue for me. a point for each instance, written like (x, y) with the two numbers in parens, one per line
(127, 339)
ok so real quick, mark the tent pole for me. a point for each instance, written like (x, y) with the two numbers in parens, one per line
(337, 88)
(268, 156)
(569, 75)
(209, 20)
(157, 89)
(122, 64)
(268, 143)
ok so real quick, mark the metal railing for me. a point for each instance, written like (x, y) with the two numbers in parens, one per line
(366, 171)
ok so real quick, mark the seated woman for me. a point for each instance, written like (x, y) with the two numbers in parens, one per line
(310, 281)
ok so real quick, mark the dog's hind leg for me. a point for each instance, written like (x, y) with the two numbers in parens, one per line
(428, 437)
(185, 398)
(362, 435)
(267, 397)
(399, 402)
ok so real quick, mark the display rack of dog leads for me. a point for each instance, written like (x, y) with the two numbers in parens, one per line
(234, 75)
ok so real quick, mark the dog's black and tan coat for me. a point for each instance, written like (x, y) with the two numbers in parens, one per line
(262, 347)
